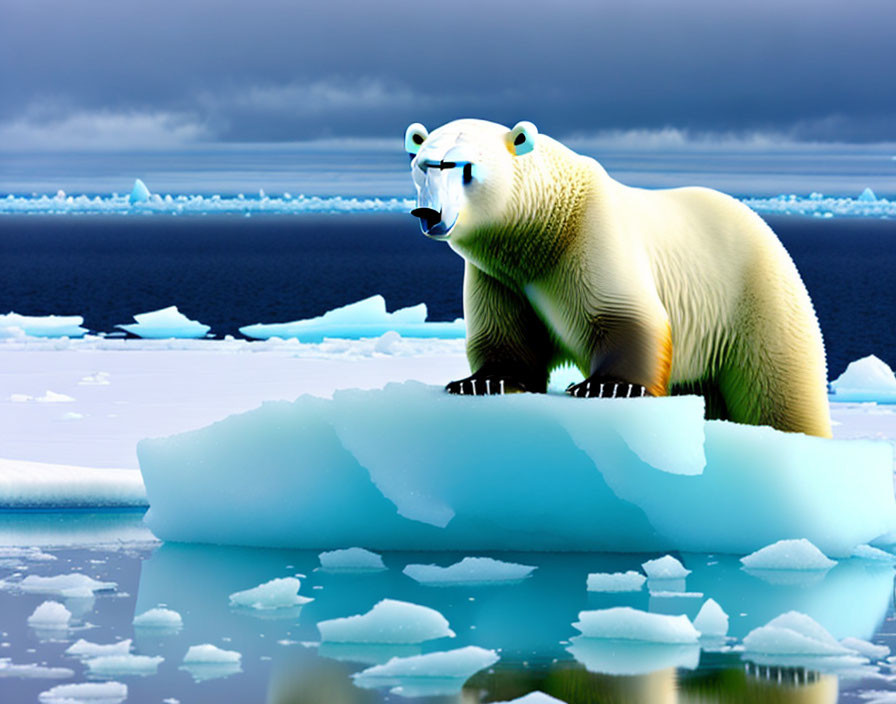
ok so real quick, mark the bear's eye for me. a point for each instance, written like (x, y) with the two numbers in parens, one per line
(468, 173)
(520, 138)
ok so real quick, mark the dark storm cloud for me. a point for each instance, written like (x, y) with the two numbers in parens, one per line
(276, 70)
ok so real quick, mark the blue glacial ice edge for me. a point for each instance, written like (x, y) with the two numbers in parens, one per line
(141, 201)
(408, 467)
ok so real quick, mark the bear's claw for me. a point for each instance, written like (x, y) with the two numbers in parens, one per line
(492, 385)
(606, 389)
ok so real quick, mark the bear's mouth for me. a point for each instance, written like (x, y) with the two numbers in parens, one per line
(431, 223)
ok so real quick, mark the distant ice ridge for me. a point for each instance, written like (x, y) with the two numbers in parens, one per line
(365, 318)
(13, 325)
(865, 205)
(410, 467)
(866, 379)
(165, 323)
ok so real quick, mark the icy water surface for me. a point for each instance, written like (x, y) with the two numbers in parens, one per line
(527, 622)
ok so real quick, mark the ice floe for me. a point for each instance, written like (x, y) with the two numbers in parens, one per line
(165, 323)
(867, 552)
(278, 593)
(399, 479)
(50, 615)
(211, 655)
(799, 554)
(615, 582)
(793, 633)
(666, 567)
(85, 693)
(711, 620)
(866, 379)
(455, 666)
(389, 621)
(626, 623)
(66, 585)
(13, 325)
(351, 559)
(365, 318)
(470, 570)
(85, 649)
(122, 665)
(33, 671)
(866, 204)
(872, 651)
(159, 618)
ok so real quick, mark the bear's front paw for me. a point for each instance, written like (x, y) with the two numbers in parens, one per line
(491, 385)
(591, 388)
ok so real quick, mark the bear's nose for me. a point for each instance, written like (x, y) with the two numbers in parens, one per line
(430, 217)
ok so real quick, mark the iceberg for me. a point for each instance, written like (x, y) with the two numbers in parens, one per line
(389, 621)
(470, 570)
(160, 618)
(534, 472)
(50, 615)
(33, 671)
(86, 649)
(534, 698)
(711, 620)
(793, 633)
(85, 693)
(871, 651)
(626, 623)
(615, 582)
(139, 193)
(351, 560)
(53, 326)
(866, 379)
(165, 323)
(276, 594)
(66, 585)
(866, 552)
(122, 665)
(456, 666)
(788, 555)
(210, 655)
(365, 318)
(666, 567)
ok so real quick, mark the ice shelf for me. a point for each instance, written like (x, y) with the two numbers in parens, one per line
(410, 467)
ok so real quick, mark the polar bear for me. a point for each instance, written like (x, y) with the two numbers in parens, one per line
(647, 292)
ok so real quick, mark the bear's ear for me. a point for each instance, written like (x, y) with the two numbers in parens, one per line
(521, 139)
(414, 136)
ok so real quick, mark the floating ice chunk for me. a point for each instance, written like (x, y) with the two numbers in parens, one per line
(365, 318)
(825, 206)
(711, 621)
(389, 621)
(867, 196)
(165, 323)
(54, 326)
(793, 633)
(98, 379)
(121, 665)
(69, 585)
(615, 582)
(866, 379)
(351, 559)
(139, 193)
(53, 397)
(458, 665)
(85, 649)
(534, 698)
(31, 554)
(788, 555)
(33, 671)
(872, 651)
(470, 570)
(209, 654)
(85, 693)
(666, 567)
(673, 593)
(866, 552)
(50, 614)
(277, 594)
(626, 623)
(159, 618)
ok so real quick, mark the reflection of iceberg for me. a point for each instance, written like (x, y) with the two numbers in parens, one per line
(534, 472)
(866, 379)
(165, 323)
(617, 657)
(366, 318)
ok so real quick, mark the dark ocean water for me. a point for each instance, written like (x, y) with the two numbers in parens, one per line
(229, 271)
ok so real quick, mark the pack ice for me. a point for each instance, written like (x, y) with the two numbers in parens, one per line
(365, 318)
(411, 467)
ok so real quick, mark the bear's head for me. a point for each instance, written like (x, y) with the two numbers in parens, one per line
(464, 173)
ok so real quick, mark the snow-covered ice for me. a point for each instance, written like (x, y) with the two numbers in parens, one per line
(29, 554)
(866, 204)
(122, 665)
(389, 621)
(66, 585)
(26, 484)
(615, 582)
(872, 651)
(211, 655)
(470, 570)
(866, 379)
(85, 693)
(278, 593)
(711, 620)
(793, 633)
(160, 618)
(33, 671)
(867, 552)
(626, 623)
(364, 318)
(459, 664)
(49, 615)
(351, 559)
(13, 325)
(666, 567)
(165, 323)
(798, 554)
(85, 649)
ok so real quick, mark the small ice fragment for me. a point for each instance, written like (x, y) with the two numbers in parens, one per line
(159, 618)
(666, 567)
(120, 665)
(872, 651)
(615, 582)
(86, 649)
(351, 559)
(33, 671)
(449, 664)
(712, 621)
(534, 698)
(50, 614)
(275, 594)
(139, 193)
(788, 555)
(389, 621)
(626, 623)
(211, 655)
(866, 552)
(793, 633)
(85, 693)
(74, 584)
(53, 397)
(98, 379)
(470, 570)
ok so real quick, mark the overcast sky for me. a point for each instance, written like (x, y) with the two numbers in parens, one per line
(122, 73)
